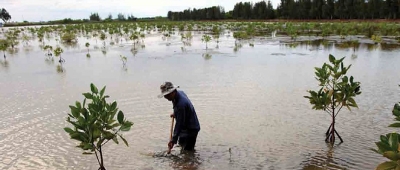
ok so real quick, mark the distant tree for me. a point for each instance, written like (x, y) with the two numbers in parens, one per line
(131, 18)
(121, 17)
(109, 17)
(4, 15)
(94, 17)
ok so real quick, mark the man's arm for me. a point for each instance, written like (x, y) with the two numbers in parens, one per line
(180, 118)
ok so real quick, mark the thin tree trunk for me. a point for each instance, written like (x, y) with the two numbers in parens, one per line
(101, 160)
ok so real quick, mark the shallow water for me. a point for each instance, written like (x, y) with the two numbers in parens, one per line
(250, 105)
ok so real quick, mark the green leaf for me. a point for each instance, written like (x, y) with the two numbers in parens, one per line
(113, 106)
(395, 111)
(115, 140)
(88, 95)
(394, 125)
(383, 147)
(351, 100)
(78, 105)
(93, 88)
(126, 126)
(376, 151)
(120, 117)
(123, 139)
(69, 130)
(384, 139)
(108, 135)
(331, 58)
(87, 146)
(102, 91)
(391, 155)
(75, 111)
(387, 165)
(394, 141)
(87, 153)
(96, 133)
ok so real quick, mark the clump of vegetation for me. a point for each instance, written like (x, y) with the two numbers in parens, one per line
(87, 46)
(49, 49)
(337, 91)
(389, 146)
(376, 38)
(240, 35)
(206, 39)
(124, 60)
(69, 37)
(4, 44)
(94, 124)
(57, 52)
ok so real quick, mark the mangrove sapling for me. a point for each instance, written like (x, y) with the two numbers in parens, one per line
(337, 90)
(134, 37)
(96, 123)
(4, 44)
(103, 38)
(87, 46)
(216, 38)
(388, 146)
(206, 39)
(25, 39)
(49, 48)
(57, 52)
(124, 60)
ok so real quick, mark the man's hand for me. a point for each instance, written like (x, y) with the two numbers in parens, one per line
(170, 145)
(172, 115)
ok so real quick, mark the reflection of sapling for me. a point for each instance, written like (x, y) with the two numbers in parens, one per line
(94, 124)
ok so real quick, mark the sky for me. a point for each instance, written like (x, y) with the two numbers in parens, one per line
(45, 10)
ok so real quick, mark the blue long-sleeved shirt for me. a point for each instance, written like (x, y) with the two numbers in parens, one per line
(185, 115)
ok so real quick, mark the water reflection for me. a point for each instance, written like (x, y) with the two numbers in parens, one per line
(325, 160)
(186, 160)
(13, 51)
(4, 63)
(389, 47)
(354, 45)
(60, 69)
(69, 45)
(207, 56)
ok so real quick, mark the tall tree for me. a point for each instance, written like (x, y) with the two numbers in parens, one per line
(4, 15)
(94, 17)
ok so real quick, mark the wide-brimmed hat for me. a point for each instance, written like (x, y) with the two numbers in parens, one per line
(167, 88)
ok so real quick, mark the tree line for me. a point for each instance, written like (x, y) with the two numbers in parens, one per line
(120, 17)
(296, 9)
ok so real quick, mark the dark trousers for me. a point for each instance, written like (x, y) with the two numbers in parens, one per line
(188, 140)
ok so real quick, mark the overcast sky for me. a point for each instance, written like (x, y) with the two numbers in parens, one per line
(44, 10)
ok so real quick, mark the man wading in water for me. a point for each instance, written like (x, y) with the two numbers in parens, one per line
(187, 125)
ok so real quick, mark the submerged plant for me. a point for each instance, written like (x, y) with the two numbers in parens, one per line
(206, 39)
(4, 44)
(57, 52)
(49, 48)
(94, 124)
(337, 91)
(124, 60)
(87, 46)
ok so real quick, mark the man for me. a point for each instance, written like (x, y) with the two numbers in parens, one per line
(187, 125)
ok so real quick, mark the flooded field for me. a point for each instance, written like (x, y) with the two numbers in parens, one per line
(248, 97)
